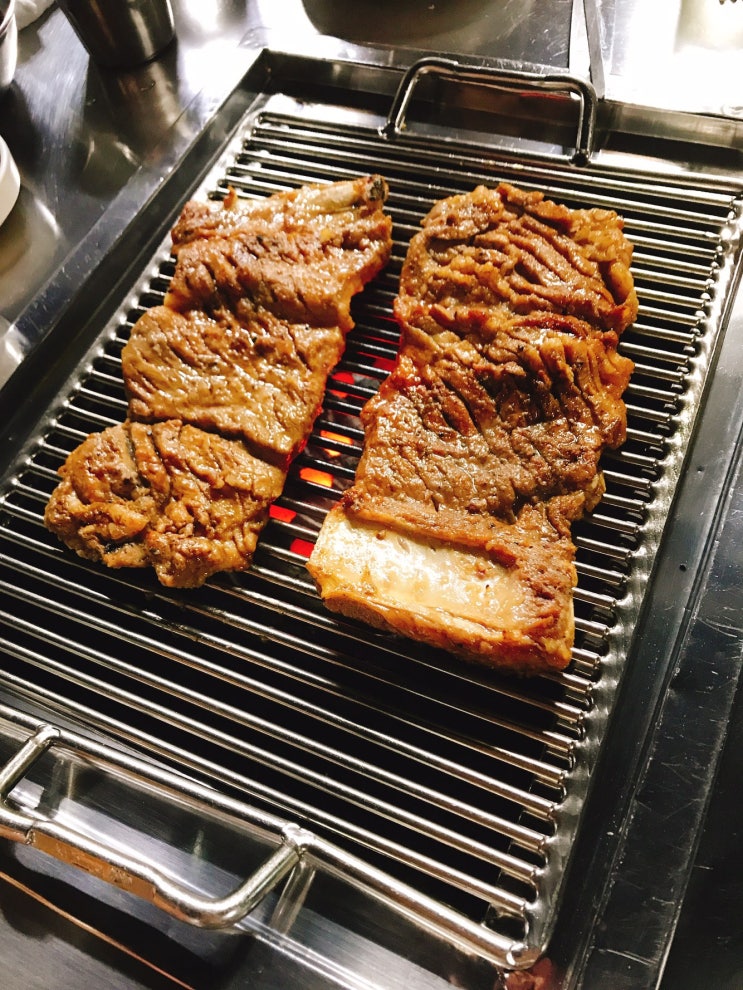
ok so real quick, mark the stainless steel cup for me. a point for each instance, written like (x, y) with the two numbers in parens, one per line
(121, 34)
(8, 43)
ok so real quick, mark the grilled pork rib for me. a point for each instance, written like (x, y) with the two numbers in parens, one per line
(483, 445)
(261, 379)
(225, 380)
(168, 495)
(301, 255)
(517, 252)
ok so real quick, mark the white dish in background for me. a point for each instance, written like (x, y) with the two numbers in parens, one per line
(10, 181)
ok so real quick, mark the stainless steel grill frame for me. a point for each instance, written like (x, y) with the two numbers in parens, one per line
(467, 786)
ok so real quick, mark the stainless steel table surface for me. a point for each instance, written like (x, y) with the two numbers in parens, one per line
(80, 137)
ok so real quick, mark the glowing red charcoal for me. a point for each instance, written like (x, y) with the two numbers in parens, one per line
(281, 513)
(316, 477)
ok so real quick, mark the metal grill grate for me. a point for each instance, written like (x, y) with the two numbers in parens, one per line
(451, 778)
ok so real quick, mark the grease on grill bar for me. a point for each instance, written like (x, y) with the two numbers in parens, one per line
(464, 783)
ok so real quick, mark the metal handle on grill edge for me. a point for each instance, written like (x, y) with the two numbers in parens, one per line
(297, 846)
(125, 871)
(510, 78)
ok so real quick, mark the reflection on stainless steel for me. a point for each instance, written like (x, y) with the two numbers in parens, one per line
(683, 55)
(30, 242)
(10, 182)
(127, 870)
(587, 19)
(12, 349)
(217, 23)
(524, 29)
(121, 33)
(129, 113)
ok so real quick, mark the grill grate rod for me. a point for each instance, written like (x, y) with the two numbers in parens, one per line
(510, 864)
(511, 904)
(530, 802)
(266, 631)
(423, 825)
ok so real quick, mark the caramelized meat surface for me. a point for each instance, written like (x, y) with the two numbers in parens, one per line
(300, 255)
(257, 312)
(224, 380)
(483, 417)
(482, 447)
(262, 380)
(168, 495)
(516, 252)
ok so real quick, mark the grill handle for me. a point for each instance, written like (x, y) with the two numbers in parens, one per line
(297, 847)
(504, 77)
(125, 870)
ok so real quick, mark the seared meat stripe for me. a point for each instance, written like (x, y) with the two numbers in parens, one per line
(483, 445)
(224, 380)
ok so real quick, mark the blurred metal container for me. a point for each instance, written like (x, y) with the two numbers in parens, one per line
(8, 43)
(10, 181)
(121, 34)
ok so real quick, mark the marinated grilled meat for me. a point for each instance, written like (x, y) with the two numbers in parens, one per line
(483, 445)
(481, 418)
(506, 602)
(263, 380)
(225, 380)
(186, 502)
(301, 255)
(257, 312)
(517, 252)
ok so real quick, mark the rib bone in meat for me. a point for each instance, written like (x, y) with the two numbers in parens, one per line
(483, 445)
